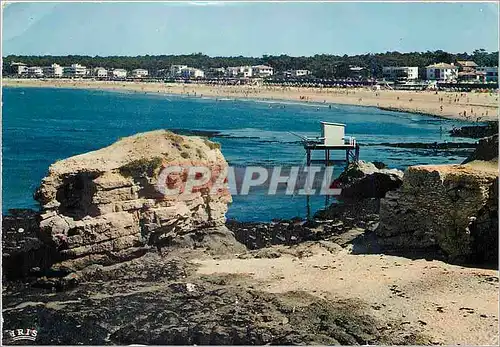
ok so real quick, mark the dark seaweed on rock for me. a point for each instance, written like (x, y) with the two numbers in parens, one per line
(476, 131)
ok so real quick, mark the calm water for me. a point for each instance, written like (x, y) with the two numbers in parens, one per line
(42, 125)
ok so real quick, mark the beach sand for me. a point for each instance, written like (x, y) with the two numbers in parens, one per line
(451, 304)
(469, 106)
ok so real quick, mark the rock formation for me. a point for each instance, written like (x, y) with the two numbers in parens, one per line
(105, 206)
(365, 180)
(476, 131)
(452, 207)
(486, 150)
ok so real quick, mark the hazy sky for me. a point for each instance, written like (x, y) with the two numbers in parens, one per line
(249, 29)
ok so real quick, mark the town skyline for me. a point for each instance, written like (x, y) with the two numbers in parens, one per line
(244, 29)
(362, 68)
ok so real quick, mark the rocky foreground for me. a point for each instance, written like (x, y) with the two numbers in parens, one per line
(401, 259)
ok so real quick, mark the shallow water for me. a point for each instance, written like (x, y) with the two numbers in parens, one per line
(42, 125)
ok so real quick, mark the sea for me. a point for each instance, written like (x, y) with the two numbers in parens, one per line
(43, 125)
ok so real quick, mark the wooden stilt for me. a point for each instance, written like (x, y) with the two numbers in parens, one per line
(308, 207)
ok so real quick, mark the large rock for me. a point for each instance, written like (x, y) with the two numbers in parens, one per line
(103, 205)
(486, 150)
(452, 207)
(476, 131)
(366, 180)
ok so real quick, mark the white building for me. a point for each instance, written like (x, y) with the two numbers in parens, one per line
(119, 73)
(139, 73)
(356, 71)
(176, 70)
(239, 71)
(442, 72)
(100, 72)
(218, 70)
(490, 73)
(19, 68)
(35, 71)
(394, 73)
(75, 70)
(54, 70)
(262, 71)
(191, 72)
(300, 73)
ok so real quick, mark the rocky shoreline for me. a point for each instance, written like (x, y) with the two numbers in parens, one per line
(106, 261)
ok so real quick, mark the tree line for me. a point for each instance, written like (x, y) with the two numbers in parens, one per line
(321, 65)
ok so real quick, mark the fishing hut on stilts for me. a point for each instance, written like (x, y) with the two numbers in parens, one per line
(332, 138)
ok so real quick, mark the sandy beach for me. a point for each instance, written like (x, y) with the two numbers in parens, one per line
(448, 303)
(469, 106)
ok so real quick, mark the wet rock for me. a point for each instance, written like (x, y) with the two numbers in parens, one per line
(476, 131)
(23, 253)
(427, 145)
(284, 232)
(350, 213)
(487, 149)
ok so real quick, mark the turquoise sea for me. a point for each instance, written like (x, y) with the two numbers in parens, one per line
(42, 125)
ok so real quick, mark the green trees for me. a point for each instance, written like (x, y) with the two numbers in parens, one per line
(321, 65)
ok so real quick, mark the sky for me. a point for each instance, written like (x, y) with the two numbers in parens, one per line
(248, 29)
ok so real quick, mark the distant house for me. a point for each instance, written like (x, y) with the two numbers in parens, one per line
(191, 72)
(490, 73)
(75, 70)
(467, 71)
(442, 72)
(356, 71)
(300, 73)
(175, 70)
(239, 71)
(35, 71)
(100, 72)
(139, 73)
(18, 68)
(262, 71)
(119, 73)
(356, 68)
(466, 65)
(216, 72)
(295, 73)
(395, 73)
(54, 71)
